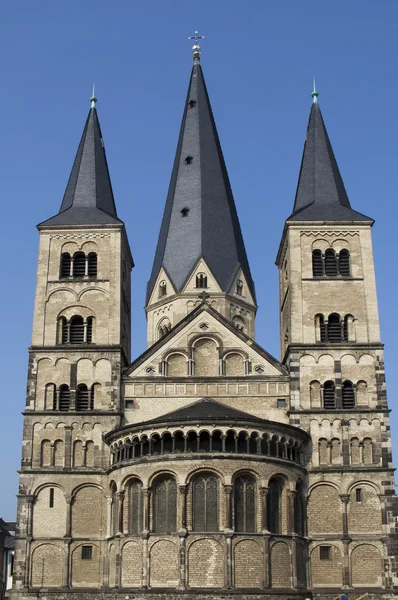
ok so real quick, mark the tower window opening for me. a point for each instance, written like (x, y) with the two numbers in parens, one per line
(63, 398)
(358, 495)
(325, 552)
(65, 265)
(92, 264)
(192, 103)
(334, 329)
(317, 263)
(79, 264)
(344, 263)
(239, 287)
(201, 280)
(51, 499)
(239, 323)
(89, 330)
(162, 289)
(329, 400)
(185, 212)
(82, 398)
(330, 263)
(188, 160)
(76, 330)
(348, 394)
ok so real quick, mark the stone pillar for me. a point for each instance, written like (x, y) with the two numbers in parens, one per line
(183, 497)
(290, 511)
(346, 564)
(267, 579)
(147, 514)
(66, 582)
(109, 502)
(68, 446)
(120, 504)
(294, 561)
(263, 505)
(52, 459)
(228, 566)
(345, 499)
(68, 524)
(228, 506)
(145, 560)
(223, 438)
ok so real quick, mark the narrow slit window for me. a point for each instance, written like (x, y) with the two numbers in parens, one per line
(162, 289)
(329, 400)
(65, 265)
(358, 495)
(344, 263)
(51, 499)
(317, 263)
(239, 287)
(89, 330)
(188, 160)
(92, 264)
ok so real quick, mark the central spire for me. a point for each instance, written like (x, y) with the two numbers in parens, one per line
(200, 219)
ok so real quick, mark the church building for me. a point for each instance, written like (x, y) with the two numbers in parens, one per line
(205, 467)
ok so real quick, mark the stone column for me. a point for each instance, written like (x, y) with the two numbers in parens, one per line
(66, 581)
(267, 579)
(68, 524)
(120, 503)
(345, 499)
(290, 514)
(183, 498)
(294, 561)
(109, 502)
(263, 505)
(346, 564)
(228, 506)
(145, 559)
(228, 565)
(223, 438)
(68, 446)
(147, 515)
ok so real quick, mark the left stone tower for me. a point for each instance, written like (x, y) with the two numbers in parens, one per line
(80, 344)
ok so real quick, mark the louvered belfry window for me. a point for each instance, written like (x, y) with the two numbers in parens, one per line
(344, 263)
(89, 330)
(82, 397)
(65, 265)
(63, 398)
(334, 328)
(330, 263)
(135, 508)
(63, 330)
(92, 264)
(317, 263)
(244, 504)
(348, 394)
(205, 503)
(76, 330)
(165, 505)
(329, 399)
(79, 264)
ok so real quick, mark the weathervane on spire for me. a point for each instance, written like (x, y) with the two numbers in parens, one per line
(93, 99)
(196, 48)
(314, 93)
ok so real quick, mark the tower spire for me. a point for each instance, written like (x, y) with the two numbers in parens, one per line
(200, 218)
(88, 198)
(321, 195)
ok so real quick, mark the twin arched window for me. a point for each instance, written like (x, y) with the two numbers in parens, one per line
(78, 266)
(334, 330)
(201, 280)
(331, 264)
(60, 399)
(347, 395)
(75, 331)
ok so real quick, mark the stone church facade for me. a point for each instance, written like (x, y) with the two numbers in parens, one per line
(205, 466)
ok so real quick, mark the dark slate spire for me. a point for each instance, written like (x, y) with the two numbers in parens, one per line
(321, 194)
(88, 198)
(200, 190)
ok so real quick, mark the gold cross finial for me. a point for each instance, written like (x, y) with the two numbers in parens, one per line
(196, 47)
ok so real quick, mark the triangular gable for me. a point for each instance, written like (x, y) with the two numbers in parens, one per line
(201, 267)
(170, 290)
(188, 327)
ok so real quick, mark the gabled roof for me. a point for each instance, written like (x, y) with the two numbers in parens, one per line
(321, 195)
(202, 191)
(88, 198)
(204, 307)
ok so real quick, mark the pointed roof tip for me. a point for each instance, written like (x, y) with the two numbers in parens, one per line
(314, 93)
(93, 99)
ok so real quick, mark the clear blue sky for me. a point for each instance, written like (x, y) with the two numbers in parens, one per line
(259, 58)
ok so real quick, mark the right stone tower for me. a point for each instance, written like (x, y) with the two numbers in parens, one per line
(330, 343)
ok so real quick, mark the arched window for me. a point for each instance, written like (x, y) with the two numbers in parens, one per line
(348, 395)
(165, 505)
(92, 264)
(334, 328)
(244, 504)
(317, 263)
(329, 400)
(90, 321)
(79, 264)
(274, 506)
(299, 509)
(344, 263)
(93, 394)
(368, 457)
(64, 271)
(50, 398)
(201, 280)
(63, 398)
(239, 323)
(239, 287)
(135, 507)
(205, 502)
(349, 329)
(76, 330)
(164, 328)
(82, 397)
(162, 289)
(330, 263)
